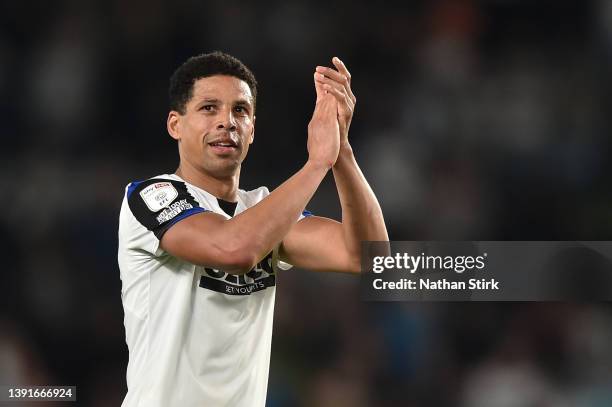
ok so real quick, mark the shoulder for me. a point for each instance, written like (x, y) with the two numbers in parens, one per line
(159, 202)
(159, 183)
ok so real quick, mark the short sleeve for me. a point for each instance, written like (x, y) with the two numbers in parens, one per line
(160, 203)
(305, 214)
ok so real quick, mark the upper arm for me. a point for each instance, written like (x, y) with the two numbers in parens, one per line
(204, 239)
(318, 244)
(185, 229)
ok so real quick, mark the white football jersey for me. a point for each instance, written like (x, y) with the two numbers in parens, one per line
(196, 336)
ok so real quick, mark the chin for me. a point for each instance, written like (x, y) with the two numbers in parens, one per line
(223, 170)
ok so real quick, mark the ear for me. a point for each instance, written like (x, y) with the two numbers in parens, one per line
(172, 124)
(252, 136)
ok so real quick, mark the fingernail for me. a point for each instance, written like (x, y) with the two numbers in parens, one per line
(319, 76)
(320, 69)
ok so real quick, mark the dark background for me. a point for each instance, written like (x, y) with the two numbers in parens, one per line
(475, 121)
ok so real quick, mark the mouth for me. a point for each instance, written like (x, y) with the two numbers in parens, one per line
(223, 146)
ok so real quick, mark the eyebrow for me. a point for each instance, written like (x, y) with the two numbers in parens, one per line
(243, 102)
(240, 102)
(209, 100)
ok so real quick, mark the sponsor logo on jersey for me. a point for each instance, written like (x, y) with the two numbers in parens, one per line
(173, 210)
(158, 195)
(259, 278)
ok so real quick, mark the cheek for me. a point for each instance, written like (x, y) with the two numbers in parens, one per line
(196, 127)
(247, 130)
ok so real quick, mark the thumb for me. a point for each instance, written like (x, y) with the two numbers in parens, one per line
(318, 88)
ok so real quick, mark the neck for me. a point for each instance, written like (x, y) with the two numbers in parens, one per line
(225, 188)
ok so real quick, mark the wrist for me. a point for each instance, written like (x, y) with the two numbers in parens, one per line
(346, 152)
(318, 166)
(345, 147)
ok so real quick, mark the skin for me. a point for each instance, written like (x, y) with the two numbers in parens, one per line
(322, 244)
(221, 110)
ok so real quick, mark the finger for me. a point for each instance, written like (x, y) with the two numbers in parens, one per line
(337, 86)
(332, 73)
(340, 96)
(341, 68)
(318, 88)
(338, 77)
(322, 79)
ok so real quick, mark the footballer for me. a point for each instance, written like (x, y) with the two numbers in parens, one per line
(199, 256)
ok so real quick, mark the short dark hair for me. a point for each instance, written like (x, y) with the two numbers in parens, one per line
(203, 66)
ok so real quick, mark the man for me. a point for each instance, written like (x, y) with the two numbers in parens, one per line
(199, 256)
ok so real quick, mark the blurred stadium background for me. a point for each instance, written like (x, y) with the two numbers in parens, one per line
(475, 121)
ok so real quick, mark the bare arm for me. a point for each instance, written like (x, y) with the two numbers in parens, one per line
(362, 218)
(237, 244)
(322, 244)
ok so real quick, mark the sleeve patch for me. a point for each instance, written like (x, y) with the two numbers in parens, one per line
(158, 195)
(158, 204)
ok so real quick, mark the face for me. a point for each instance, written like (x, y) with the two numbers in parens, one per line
(218, 126)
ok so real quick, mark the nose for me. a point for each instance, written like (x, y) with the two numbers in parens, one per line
(227, 121)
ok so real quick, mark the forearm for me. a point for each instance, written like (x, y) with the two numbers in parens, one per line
(362, 217)
(264, 225)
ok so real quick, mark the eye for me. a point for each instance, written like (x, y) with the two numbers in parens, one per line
(208, 108)
(240, 109)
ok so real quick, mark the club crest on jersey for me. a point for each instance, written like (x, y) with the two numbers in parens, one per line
(158, 195)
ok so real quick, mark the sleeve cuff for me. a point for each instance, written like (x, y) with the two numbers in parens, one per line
(277, 263)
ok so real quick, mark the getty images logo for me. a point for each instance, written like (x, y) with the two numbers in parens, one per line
(405, 261)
